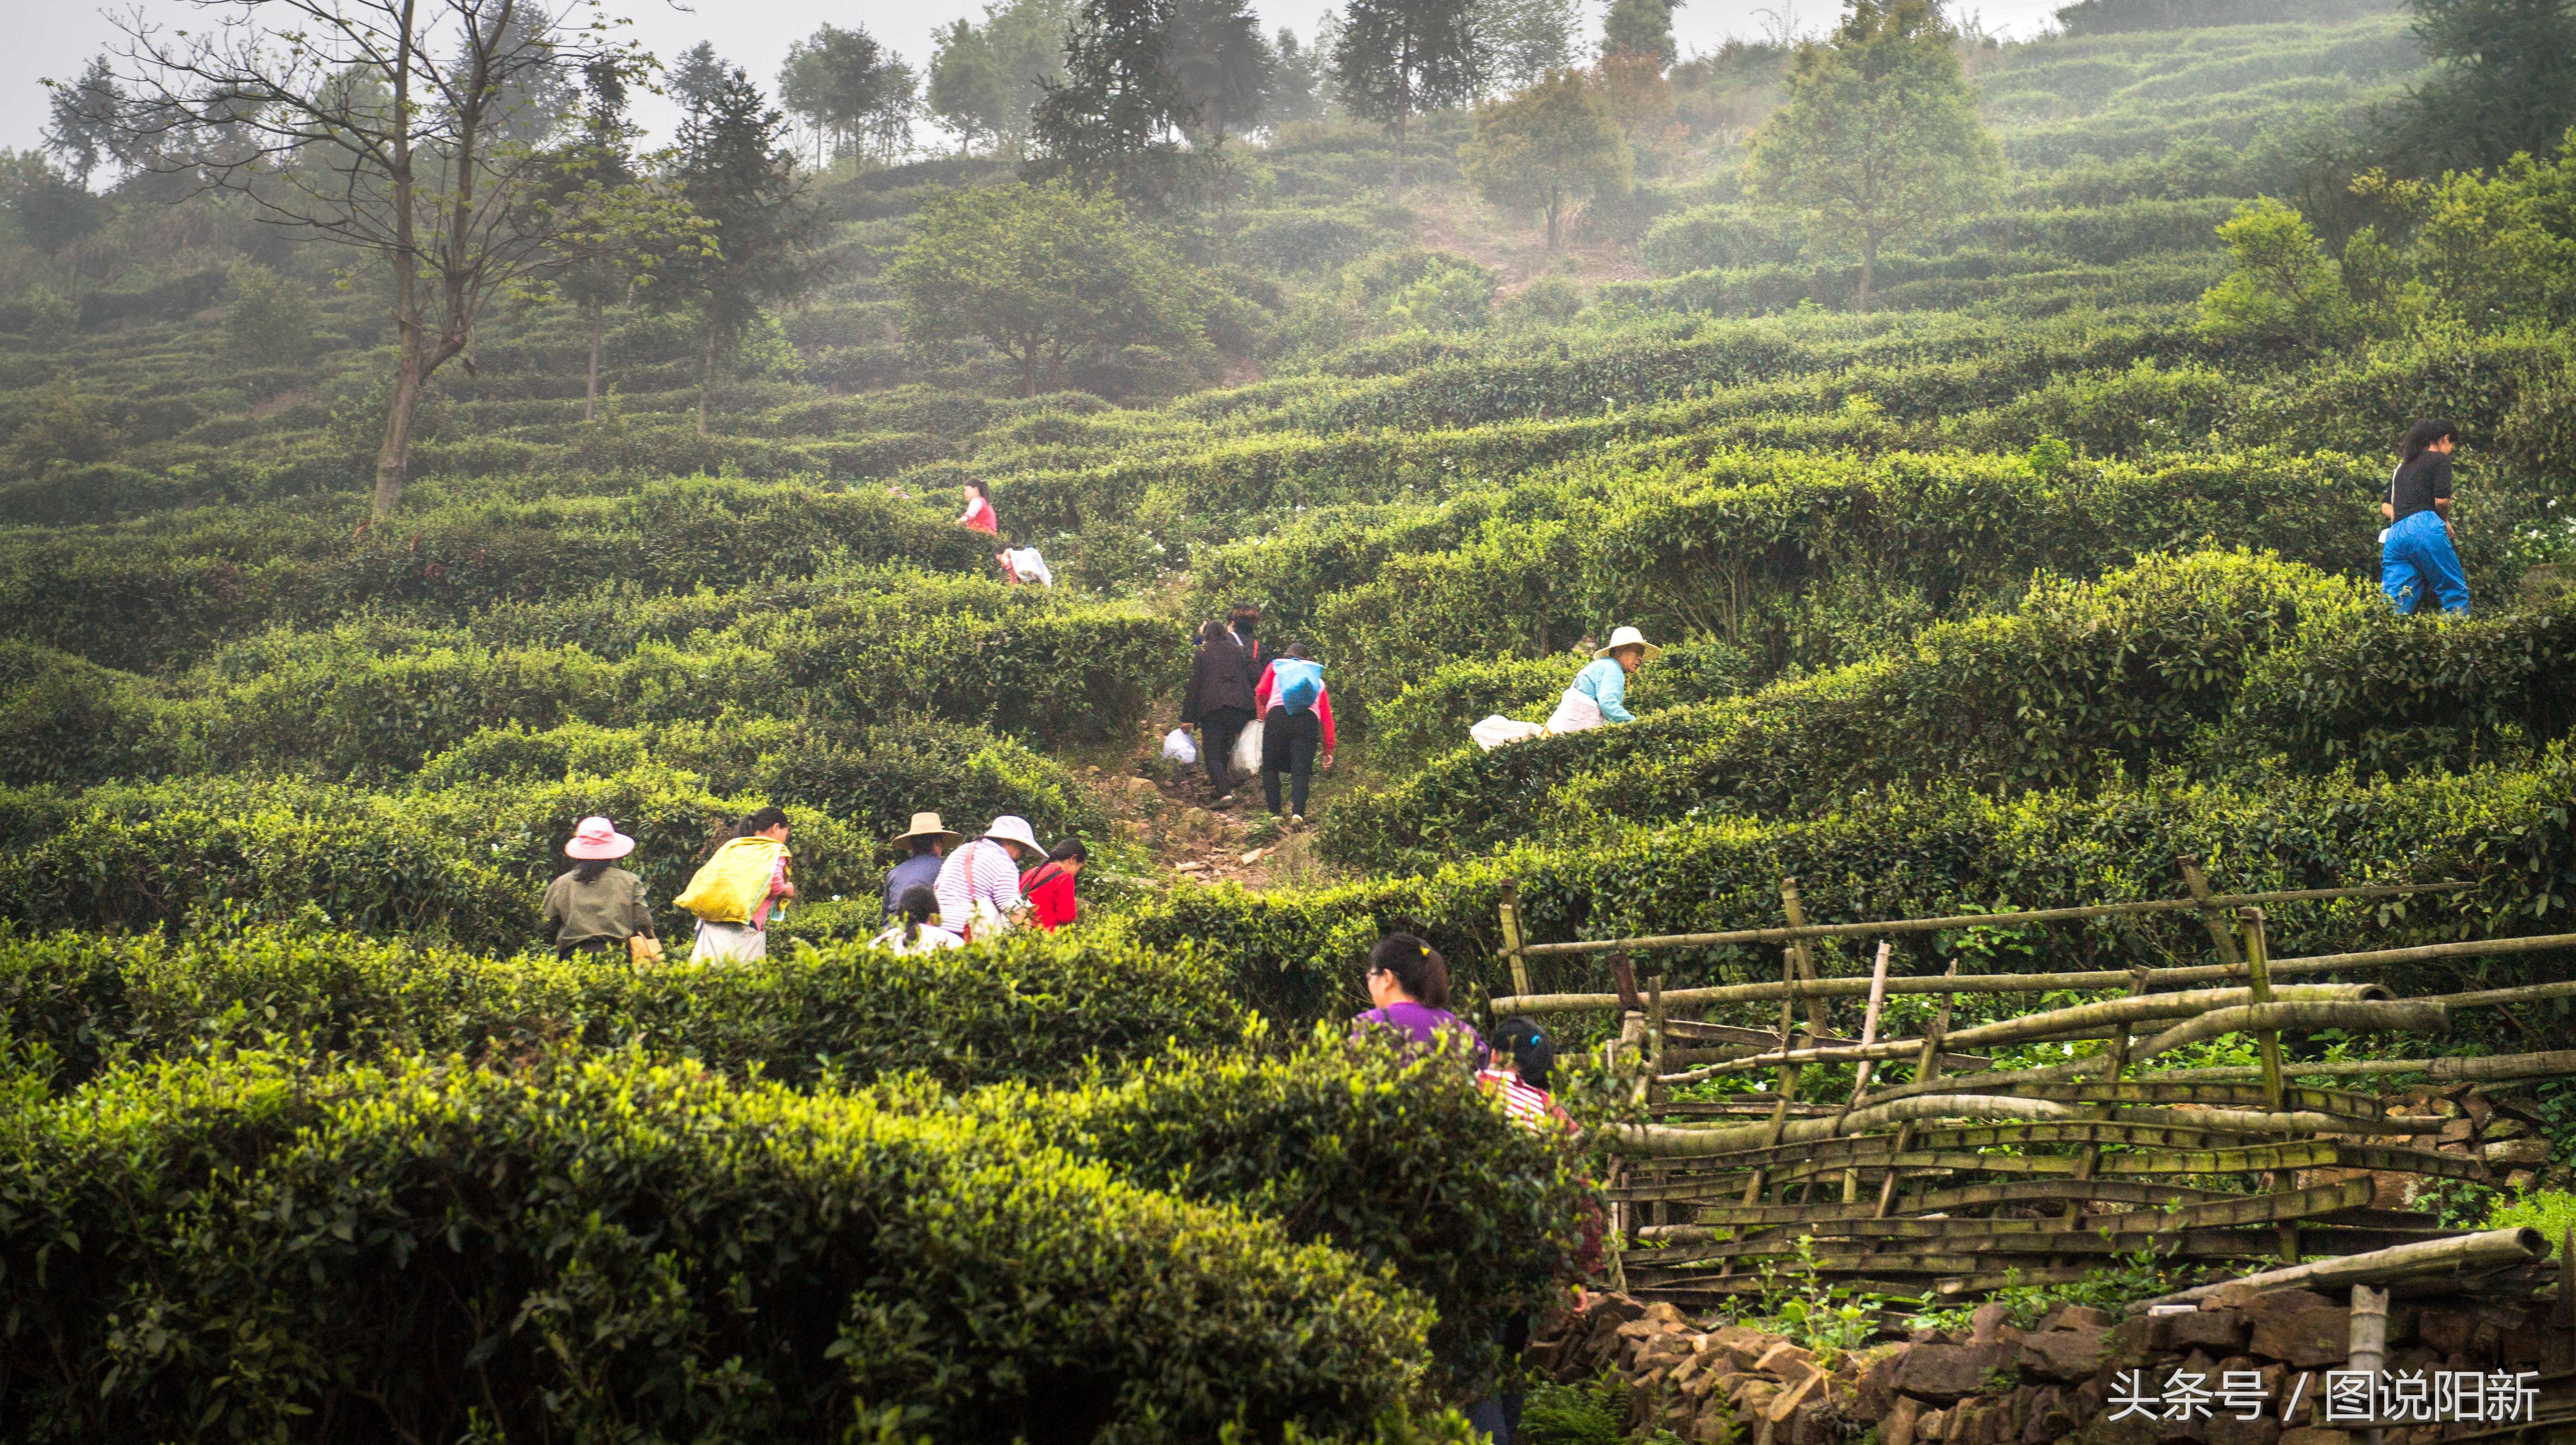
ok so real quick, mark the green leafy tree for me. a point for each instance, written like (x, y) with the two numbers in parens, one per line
(1040, 273)
(1640, 28)
(269, 320)
(2280, 286)
(2506, 84)
(985, 81)
(617, 225)
(1301, 83)
(396, 130)
(1150, 91)
(2492, 249)
(854, 95)
(1879, 137)
(1395, 59)
(1524, 40)
(1548, 149)
(48, 209)
(736, 177)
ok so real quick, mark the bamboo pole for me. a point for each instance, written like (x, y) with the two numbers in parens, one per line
(2059, 1022)
(2060, 982)
(2546, 1064)
(2487, 1249)
(2258, 971)
(2092, 1158)
(1803, 951)
(1927, 1068)
(1510, 909)
(1788, 1082)
(1799, 931)
(1860, 1081)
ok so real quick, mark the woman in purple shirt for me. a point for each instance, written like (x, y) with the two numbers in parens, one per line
(1409, 983)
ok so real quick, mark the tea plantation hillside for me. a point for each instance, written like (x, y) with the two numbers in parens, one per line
(2001, 574)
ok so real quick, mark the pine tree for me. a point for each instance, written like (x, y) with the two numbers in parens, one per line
(1398, 58)
(734, 174)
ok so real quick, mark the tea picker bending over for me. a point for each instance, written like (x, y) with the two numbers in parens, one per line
(736, 888)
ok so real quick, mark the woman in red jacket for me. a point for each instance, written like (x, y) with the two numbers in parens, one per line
(1049, 886)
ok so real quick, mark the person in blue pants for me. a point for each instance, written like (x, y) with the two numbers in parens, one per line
(2417, 562)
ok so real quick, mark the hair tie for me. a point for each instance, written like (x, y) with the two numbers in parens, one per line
(1426, 949)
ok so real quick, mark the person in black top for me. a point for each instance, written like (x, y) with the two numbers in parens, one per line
(2416, 559)
(1219, 701)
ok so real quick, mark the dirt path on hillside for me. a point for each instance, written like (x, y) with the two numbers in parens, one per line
(1168, 811)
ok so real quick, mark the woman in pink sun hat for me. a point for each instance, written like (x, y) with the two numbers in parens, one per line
(596, 908)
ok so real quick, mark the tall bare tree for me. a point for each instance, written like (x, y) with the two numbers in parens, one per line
(400, 129)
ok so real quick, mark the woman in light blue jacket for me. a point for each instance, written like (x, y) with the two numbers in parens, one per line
(1600, 691)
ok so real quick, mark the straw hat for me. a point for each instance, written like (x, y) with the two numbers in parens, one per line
(597, 838)
(927, 825)
(1010, 829)
(1629, 637)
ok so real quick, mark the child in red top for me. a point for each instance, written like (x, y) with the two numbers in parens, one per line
(1049, 886)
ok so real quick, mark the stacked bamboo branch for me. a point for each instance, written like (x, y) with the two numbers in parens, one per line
(1959, 1175)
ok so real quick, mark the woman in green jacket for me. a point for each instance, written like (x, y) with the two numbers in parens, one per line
(596, 908)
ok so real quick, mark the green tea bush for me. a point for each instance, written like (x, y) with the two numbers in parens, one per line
(2081, 682)
(468, 865)
(1405, 1164)
(1944, 849)
(602, 1246)
(1430, 718)
(1034, 1008)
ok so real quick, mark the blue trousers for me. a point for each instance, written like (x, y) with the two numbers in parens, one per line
(2416, 564)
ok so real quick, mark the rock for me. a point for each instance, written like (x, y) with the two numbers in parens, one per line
(1877, 1381)
(1714, 1425)
(2067, 1355)
(2306, 1337)
(2478, 1107)
(2048, 1419)
(1810, 1424)
(2503, 1128)
(2515, 1153)
(1189, 867)
(1141, 788)
(1667, 1314)
(1787, 1362)
(2219, 1331)
(2226, 1429)
(2069, 1317)
(2457, 1131)
(2519, 1180)
(1931, 1427)
(1896, 1425)
(2131, 1341)
(1986, 1320)
(1248, 859)
(1944, 1372)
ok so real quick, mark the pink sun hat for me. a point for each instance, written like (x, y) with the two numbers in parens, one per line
(598, 838)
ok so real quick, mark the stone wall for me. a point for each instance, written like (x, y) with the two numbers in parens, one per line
(1994, 1384)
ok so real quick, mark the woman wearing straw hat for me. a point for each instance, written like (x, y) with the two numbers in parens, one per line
(596, 908)
(1600, 691)
(929, 841)
(979, 884)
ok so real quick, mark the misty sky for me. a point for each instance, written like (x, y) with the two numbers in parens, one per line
(56, 39)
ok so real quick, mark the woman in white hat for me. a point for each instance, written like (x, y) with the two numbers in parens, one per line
(1600, 691)
(596, 908)
(979, 884)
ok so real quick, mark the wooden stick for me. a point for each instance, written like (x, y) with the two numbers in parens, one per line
(1860, 1080)
(1798, 931)
(1510, 908)
(2060, 982)
(2058, 1023)
(2258, 969)
(1927, 1068)
(1788, 1083)
(2487, 1249)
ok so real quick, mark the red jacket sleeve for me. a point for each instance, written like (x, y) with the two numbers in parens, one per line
(1324, 713)
(1261, 691)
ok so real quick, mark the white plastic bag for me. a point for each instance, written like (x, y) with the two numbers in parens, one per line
(1180, 747)
(1575, 712)
(1028, 566)
(1497, 730)
(1247, 750)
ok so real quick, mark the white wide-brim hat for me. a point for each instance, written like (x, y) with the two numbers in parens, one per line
(1010, 829)
(1628, 637)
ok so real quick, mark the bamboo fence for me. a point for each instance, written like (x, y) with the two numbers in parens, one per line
(1962, 1177)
